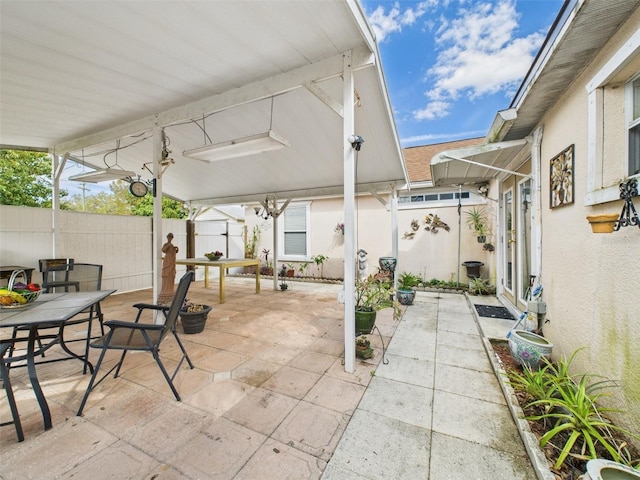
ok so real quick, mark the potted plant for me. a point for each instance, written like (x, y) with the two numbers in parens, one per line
(406, 283)
(372, 295)
(267, 269)
(283, 275)
(478, 222)
(251, 247)
(194, 316)
(319, 261)
(363, 347)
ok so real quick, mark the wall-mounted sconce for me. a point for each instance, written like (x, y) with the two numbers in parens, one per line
(629, 215)
(483, 190)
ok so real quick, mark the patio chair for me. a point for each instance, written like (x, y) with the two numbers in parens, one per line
(147, 337)
(85, 277)
(5, 361)
(55, 274)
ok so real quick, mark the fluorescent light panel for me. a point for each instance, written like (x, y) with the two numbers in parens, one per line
(106, 175)
(240, 147)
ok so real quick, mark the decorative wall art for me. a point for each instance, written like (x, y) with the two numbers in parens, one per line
(561, 178)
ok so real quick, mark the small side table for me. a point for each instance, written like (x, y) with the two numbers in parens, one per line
(6, 271)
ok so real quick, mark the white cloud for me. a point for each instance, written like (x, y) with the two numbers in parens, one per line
(384, 23)
(479, 56)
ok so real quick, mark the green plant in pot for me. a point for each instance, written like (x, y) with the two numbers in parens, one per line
(372, 295)
(478, 222)
(363, 347)
(406, 283)
(194, 316)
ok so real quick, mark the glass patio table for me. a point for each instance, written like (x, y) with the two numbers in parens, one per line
(49, 310)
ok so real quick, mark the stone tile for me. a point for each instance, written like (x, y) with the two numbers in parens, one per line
(408, 370)
(35, 458)
(313, 429)
(255, 371)
(219, 397)
(495, 327)
(375, 446)
(474, 420)
(412, 349)
(262, 410)
(275, 460)
(221, 361)
(472, 460)
(279, 354)
(328, 346)
(334, 472)
(162, 434)
(400, 401)
(313, 362)
(471, 383)
(292, 382)
(362, 374)
(462, 357)
(119, 460)
(249, 347)
(460, 340)
(218, 450)
(216, 339)
(336, 394)
(457, 322)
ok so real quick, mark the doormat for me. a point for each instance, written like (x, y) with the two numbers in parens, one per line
(493, 312)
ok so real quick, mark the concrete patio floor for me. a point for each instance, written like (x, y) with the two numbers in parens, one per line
(269, 399)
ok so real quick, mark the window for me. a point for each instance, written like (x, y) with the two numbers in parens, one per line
(442, 197)
(294, 232)
(634, 126)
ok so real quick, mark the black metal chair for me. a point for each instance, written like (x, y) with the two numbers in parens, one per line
(86, 277)
(55, 274)
(147, 337)
(5, 361)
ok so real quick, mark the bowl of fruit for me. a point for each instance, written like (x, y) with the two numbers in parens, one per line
(213, 256)
(19, 294)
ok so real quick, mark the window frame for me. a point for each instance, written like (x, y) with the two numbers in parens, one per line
(281, 234)
(597, 194)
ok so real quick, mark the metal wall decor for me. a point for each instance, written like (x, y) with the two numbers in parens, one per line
(629, 215)
(561, 178)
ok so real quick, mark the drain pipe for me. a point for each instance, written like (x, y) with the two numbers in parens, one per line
(459, 228)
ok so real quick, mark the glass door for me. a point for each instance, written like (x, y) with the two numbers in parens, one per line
(524, 240)
(509, 235)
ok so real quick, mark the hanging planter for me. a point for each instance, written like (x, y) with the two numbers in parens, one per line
(604, 223)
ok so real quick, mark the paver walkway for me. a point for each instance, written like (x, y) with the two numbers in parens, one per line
(269, 399)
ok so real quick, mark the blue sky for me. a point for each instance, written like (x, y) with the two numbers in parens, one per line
(450, 65)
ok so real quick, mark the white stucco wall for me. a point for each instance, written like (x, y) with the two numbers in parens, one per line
(427, 254)
(592, 281)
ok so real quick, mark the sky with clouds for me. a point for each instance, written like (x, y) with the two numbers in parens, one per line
(450, 65)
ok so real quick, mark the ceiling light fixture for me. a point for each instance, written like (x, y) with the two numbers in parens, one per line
(106, 175)
(240, 147)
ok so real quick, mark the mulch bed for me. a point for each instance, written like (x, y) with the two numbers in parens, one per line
(573, 467)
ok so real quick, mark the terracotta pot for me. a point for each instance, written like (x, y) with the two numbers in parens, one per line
(602, 223)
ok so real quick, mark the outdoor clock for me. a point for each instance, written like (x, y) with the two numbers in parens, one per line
(138, 188)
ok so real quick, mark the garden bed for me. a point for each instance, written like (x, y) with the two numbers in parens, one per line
(533, 430)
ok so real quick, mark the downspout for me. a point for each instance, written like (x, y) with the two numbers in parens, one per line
(536, 168)
(57, 167)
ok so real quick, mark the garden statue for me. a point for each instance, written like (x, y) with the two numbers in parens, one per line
(363, 267)
(168, 270)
